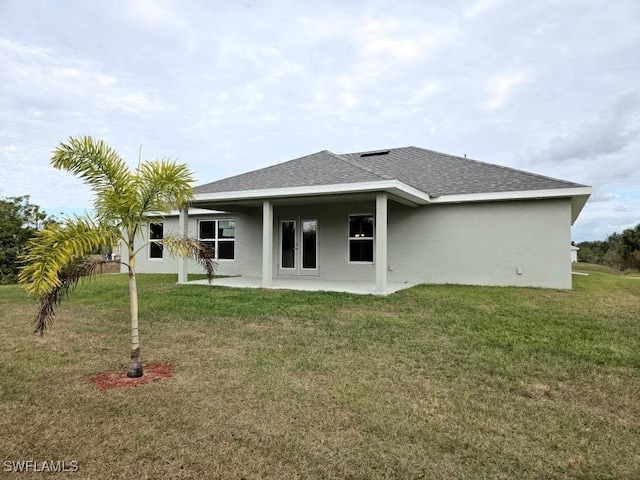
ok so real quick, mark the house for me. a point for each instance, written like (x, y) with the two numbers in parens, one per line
(386, 218)
(574, 253)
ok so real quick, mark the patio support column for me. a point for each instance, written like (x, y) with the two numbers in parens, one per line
(381, 242)
(183, 228)
(267, 243)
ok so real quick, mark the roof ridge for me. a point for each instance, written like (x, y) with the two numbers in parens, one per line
(502, 167)
(365, 168)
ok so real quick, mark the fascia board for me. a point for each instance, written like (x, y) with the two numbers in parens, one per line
(516, 195)
(396, 187)
(192, 212)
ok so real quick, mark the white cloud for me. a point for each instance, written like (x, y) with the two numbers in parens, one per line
(393, 40)
(155, 13)
(501, 87)
(40, 74)
(406, 49)
(480, 7)
(424, 92)
(605, 132)
(349, 99)
(599, 219)
(9, 149)
(602, 197)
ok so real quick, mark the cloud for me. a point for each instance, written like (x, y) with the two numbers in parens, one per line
(602, 197)
(480, 7)
(390, 41)
(622, 208)
(601, 219)
(155, 13)
(501, 87)
(9, 149)
(395, 39)
(606, 132)
(39, 76)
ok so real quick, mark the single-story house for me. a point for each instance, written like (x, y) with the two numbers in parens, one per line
(385, 218)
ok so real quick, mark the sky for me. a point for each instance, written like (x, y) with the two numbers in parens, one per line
(551, 87)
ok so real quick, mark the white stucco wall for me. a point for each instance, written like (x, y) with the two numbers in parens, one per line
(248, 248)
(482, 243)
(471, 243)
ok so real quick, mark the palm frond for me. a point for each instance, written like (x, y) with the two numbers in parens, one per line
(101, 168)
(186, 247)
(68, 280)
(163, 185)
(56, 247)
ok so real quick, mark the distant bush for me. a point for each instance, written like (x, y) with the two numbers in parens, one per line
(620, 250)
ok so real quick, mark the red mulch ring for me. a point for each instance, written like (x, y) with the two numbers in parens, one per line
(152, 372)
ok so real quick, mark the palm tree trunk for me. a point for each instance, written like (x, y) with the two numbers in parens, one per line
(135, 364)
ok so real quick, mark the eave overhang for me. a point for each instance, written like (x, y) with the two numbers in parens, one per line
(398, 190)
(394, 187)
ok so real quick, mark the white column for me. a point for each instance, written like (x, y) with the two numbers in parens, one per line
(381, 242)
(183, 228)
(267, 243)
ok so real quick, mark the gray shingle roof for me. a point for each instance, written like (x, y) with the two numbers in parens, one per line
(322, 168)
(431, 172)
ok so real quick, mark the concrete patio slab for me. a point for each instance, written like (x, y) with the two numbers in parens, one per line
(304, 284)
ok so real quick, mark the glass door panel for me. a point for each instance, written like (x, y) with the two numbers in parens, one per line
(309, 244)
(288, 244)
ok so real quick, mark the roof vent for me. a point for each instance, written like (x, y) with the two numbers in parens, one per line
(374, 154)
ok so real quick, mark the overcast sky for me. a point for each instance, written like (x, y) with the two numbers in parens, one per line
(551, 87)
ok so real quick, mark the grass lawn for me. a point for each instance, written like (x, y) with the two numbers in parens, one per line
(449, 382)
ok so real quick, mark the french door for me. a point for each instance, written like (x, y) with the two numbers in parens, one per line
(298, 252)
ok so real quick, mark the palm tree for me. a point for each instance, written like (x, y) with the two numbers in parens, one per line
(124, 200)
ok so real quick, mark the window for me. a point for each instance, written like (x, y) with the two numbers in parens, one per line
(221, 234)
(361, 238)
(156, 234)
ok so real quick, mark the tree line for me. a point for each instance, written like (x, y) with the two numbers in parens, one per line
(618, 250)
(19, 221)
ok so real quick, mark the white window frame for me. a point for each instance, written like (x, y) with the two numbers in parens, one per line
(372, 238)
(298, 249)
(155, 241)
(216, 240)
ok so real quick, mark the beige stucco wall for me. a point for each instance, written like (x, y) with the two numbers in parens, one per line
(472, 243)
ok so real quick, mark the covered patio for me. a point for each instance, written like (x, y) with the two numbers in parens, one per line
(324, 207)
(304, 284)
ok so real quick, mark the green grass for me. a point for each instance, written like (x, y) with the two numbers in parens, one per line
(433, 382)
(595, 268)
